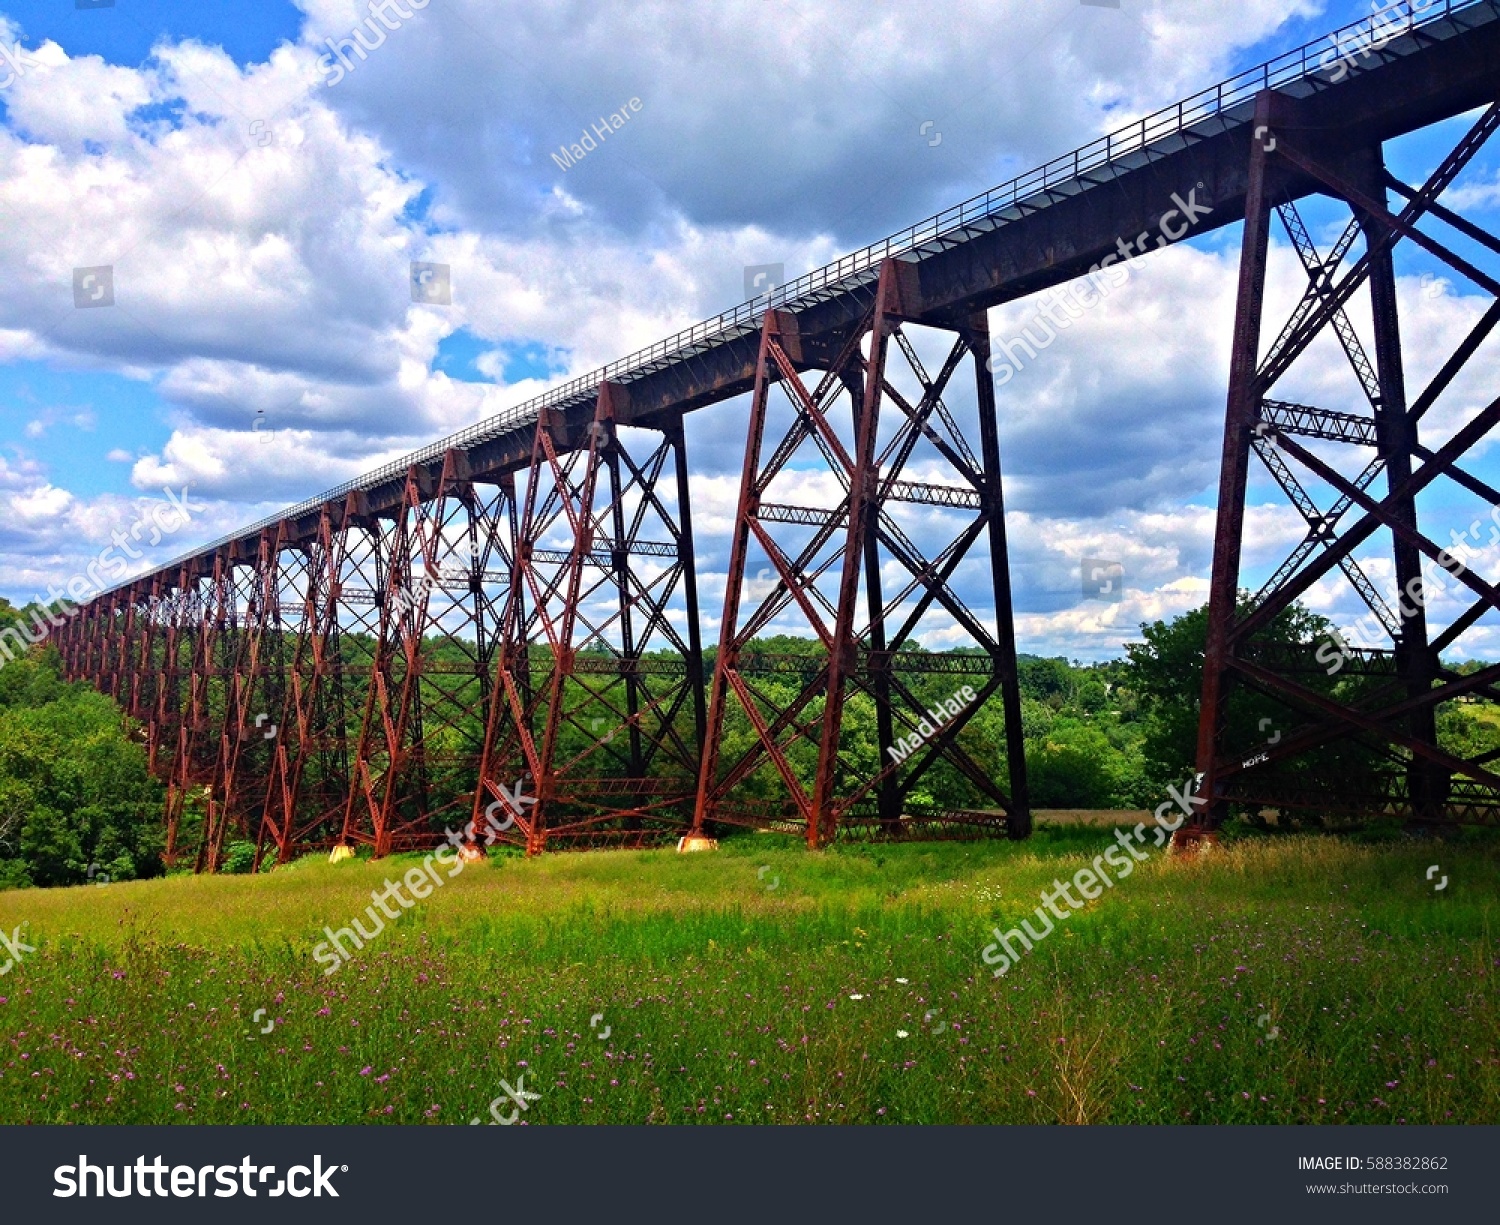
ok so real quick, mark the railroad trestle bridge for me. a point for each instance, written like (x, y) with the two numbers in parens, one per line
(508, 622)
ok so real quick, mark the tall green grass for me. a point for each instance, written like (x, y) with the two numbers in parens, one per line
(1285, 980)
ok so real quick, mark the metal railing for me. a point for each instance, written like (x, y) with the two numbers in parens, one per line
(1293, 66)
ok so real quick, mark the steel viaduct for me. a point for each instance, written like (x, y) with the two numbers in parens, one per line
(502, 631)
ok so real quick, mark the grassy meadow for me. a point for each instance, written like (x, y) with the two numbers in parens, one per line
(1279, 979)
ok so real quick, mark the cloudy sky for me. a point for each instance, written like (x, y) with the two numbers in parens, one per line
(258, 206)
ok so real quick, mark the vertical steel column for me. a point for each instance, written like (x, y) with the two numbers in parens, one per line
(213, 668)
(373, 810)
(148, 678)
(726, 657)
(578, 508)
(1240, 416)
(428, 706)
(1427, 782)
(644, 795)
(596, 755)
(510, 745)
(116, 680)
(619, 562)
(238, 788)
(688, 558)
(879, 659)
(95, 642)
(164, 743)
(843, 656)
(976, 334)
(510, 753)
(466, 542)
(64, 639)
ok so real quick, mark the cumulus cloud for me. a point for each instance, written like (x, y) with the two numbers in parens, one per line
(260, 224)
(808, 117)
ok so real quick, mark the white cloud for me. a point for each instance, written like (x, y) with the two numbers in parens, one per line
(260, 225)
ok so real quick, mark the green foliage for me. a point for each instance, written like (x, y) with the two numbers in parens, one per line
(1469, 727)
(1083, 734)
(76, 800)
(239, 858)
(1076, 766)
(1166, 673)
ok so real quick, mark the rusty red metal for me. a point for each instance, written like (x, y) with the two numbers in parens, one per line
(595, 731)
(1390, 715)
(503, 630)
(308, 774)
(824, 575)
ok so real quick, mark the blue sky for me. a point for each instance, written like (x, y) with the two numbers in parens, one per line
(261, 221)
(125, 32)
(79, 423)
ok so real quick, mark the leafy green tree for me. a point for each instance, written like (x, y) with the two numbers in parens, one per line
(1165, 673)
(77, 801)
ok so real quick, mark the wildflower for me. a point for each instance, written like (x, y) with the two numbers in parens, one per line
(856, 997)
(901, 1033)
